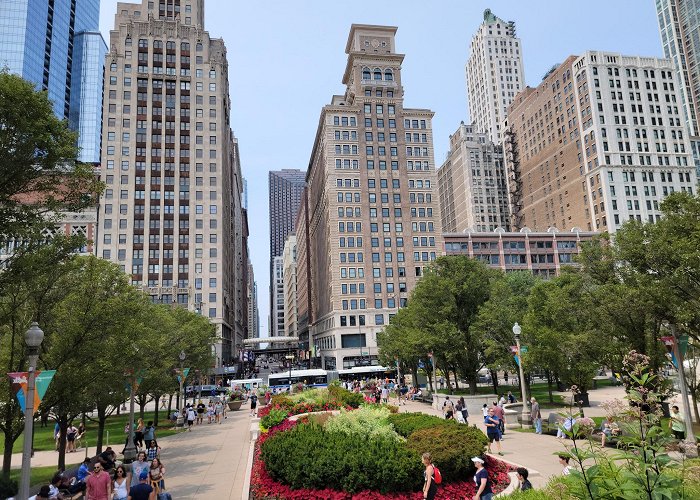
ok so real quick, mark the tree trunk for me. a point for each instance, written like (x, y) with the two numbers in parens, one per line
(7, 456)
(494, 380)
(454, 371)
(549, 386)
(447, 380)
(695, 407)
(142, 406)
(155, 418)
(170, 405)
(101, 420)
(472, 383)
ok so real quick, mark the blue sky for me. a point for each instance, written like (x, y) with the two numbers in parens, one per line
(286, 60)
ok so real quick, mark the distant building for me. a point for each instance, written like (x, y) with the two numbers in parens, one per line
(598, 142)
(542, 253)
(472, 184)
(494, 74)
(289, 265)
(277, 315)
(253, 312)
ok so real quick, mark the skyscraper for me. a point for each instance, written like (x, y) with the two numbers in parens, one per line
(472, 184)
(172, 211)
(285, 189)
(494, 74)
(679, 25)
(373, 217)
(56, 44)
(289, 270)
(612, 153)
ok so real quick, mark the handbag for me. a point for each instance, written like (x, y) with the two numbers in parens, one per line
(164, 495)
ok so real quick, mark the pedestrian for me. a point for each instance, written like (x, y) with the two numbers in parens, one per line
(493, 431)
(120, 485)
(448, 409)
(201, 409)
(481, 479)
(501, 414)
(138, 434)
(218, 410)
(485, 410)
(191, 417)
(99, 484)
(536, 415)
(149, 433)
(210, 412)
(71, 433)
(564, 462)
(137, 466)
(429, 484)
(505, 376)
(525, 484)
(153, 451)
(44, 493)
(677, 423)
(385, 393)
(253, 405)
(157, 475)
(142, 490)
(511, 398)
(57, 434)
(568, 424)
(502, 401)
(465, 411)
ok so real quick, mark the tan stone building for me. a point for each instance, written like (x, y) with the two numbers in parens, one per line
(601, 140)
(472, 184)
(289, 273)
(172, 214)
(371, 184)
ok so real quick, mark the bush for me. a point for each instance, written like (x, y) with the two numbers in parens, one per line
(406, 424)
(349, 398)
(367, 421)
(452, 447)
(275, 417)
(307, 456)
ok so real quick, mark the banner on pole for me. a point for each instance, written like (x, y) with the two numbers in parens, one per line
(670, 343)
(517, 360)
(179, 374)
(19, 386)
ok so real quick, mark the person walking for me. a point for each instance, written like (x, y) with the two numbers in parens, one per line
(138, 434)
(481, 478)
(120, 485)
(253, 405)
(153, 451)
(501, 414)
(465, 411)
(525, 484)
(493, 431)
(536, 415)
(564, 462)
(429, 484)
(191, 417)
(149, 433)
(99, 484)
(137, 467)
(448, 409)
(201, 409)
(142, 490)
(71, 433)
(157, 475)
(677, 423)
(219, 410)
(385, 393)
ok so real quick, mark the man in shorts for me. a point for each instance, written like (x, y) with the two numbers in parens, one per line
(201, 408)
(191, 417)
(448, 409)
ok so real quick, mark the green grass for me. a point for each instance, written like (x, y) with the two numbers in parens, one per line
(43, 436)
(538, 390)
(39, 475)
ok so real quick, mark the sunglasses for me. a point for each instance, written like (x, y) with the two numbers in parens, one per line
(97, 469)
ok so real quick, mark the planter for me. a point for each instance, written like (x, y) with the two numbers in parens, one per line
(235, 405)
(584, 397)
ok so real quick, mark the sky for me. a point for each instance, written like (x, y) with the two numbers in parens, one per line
(287, 57)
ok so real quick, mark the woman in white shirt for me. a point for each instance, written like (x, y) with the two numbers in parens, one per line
(121, 488)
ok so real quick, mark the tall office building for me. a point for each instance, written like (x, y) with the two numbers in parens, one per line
(601, 140)
(56, 44)
(277, 306)
(289, 271)
(285, 188)
(253, 313)
(371, 185)
(679, 25)
(472, 184)
(172, 213)
(494, 74)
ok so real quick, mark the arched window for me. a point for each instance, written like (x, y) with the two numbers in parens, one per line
(170, 45)
(366, 75)
(388, 75)
(185, 46)
(377, 74)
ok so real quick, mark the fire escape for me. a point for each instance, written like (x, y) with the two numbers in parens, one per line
(515, 181)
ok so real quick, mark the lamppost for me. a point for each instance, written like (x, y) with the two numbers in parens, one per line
(689, 435)
(33, 338)
(290, 357)
(180, 419)
(525, 416)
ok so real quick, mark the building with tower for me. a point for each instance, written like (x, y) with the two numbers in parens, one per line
(494, 74)
(171, 215)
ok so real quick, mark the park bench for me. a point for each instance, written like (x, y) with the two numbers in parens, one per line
(426, 397)
(551, 425)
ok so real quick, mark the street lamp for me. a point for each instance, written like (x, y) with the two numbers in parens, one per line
(525, 416)
(180, 419)
(290, 357)
(33, 338)
(130, 448)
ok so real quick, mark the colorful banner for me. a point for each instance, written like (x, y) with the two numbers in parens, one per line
(670, 343)
(19, 386)
(177, 370)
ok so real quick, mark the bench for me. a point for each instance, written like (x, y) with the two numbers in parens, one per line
(551, 425)
(426, 397)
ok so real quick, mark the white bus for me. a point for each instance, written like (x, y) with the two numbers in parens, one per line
(363, 372)
(310, 378)
(246, 384)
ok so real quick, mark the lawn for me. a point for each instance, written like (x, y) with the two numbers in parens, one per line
(39, 476)
(43, 436)
(538, 390)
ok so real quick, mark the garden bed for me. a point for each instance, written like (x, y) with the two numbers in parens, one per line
(365, 453)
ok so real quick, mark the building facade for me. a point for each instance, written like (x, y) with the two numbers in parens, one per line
(601, 140)
(277, 314)
(171, 213)
(253, 312)
(679, 26)
(472, 184)
(494, 74)
(371, 180)
(289, 266)
(542, 253)
(285, 188)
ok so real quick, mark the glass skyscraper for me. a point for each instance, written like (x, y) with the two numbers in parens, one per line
(56, 44)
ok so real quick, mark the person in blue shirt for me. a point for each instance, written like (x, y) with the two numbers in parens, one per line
(493, 430)
(481, 478)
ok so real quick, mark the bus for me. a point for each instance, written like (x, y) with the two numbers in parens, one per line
(310, 378)
(246, 384)
(364, 372)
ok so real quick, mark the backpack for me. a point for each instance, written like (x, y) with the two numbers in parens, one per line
(437, 475)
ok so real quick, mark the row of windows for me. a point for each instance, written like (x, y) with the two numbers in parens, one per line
(377, 73)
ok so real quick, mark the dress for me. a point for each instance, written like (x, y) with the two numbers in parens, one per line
(432, 491)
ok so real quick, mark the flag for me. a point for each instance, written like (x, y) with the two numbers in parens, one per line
(186, 371)
(19, 386)
(517, 360)
(670, 343)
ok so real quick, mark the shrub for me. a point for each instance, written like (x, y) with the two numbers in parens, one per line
(452, 447)
(367, 421)
(349, 398)
(406, 424)
(8, 488)
(307, 456)
(275, 417)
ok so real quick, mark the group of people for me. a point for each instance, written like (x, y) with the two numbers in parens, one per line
(74, 435)
(458, 411)
(214, 412)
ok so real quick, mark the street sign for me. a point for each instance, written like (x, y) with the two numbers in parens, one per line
(514, 349)
(523, 348)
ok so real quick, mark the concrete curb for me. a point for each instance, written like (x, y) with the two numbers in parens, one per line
(515, 465)
(511, 487)
(249, 471)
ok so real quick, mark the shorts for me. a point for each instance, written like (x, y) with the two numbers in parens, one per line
(70, 437)
(190, 422)
(253, 405)
(449, 414)
(493, 436)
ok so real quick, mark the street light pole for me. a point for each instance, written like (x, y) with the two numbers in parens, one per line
(33, 338)
(180, 418)
(525, 416)
(689, 435)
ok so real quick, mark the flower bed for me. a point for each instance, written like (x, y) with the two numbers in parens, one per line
(312, 455)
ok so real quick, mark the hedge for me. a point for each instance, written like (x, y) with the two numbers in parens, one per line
(406, 424)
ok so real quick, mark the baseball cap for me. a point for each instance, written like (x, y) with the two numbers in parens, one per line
(477, 459)
(143, 475)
